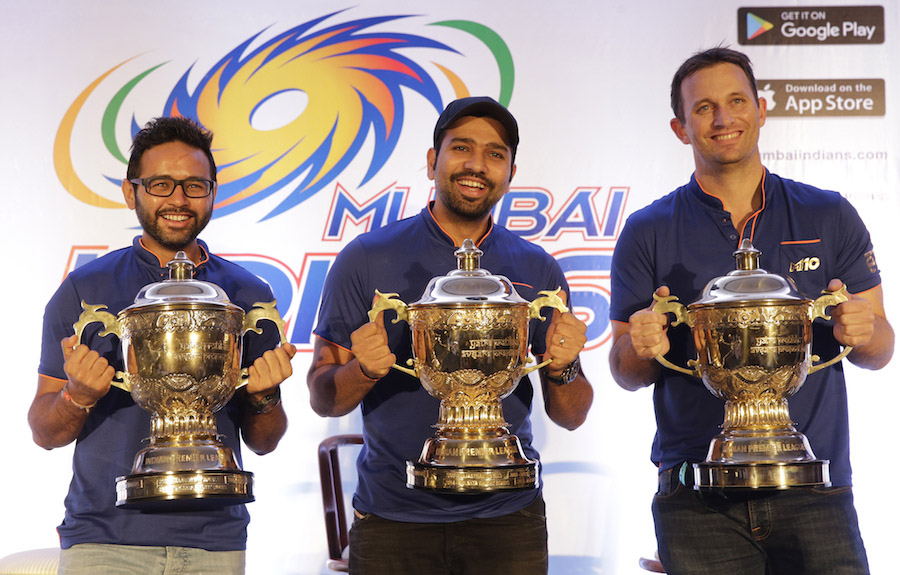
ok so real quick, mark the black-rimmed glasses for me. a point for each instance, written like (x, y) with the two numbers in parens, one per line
(162, 186)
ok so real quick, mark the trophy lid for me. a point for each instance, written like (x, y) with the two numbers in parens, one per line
(181, 288)
(469, 284)
(749, 284)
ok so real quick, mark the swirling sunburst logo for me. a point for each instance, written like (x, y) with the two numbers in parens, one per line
(350, 79)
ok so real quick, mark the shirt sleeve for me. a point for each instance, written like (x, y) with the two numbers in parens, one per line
(346, 298)
(632, 277)
(56, 327)
(855, 259)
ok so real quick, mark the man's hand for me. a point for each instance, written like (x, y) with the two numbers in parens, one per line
(854, 319)
(89, 374)
(566, 336)
(369, 345)
(647, 329)
(270, 369)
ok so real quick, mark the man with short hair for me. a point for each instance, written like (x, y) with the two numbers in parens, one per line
(687, 238)
(171, 185)
(401, 530)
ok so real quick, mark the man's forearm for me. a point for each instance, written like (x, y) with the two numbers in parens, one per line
(628, 370)
(54, 421)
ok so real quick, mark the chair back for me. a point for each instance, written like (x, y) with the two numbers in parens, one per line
(336, 526)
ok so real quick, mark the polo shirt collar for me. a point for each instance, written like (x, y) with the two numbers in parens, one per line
(153, 261)
(435, 228)
(713, 201)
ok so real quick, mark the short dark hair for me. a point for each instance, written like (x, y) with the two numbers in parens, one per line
(705, 59)
(167, 129)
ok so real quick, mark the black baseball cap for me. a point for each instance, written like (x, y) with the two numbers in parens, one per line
(479, 107)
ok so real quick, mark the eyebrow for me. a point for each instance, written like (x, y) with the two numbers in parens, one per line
(491, 144)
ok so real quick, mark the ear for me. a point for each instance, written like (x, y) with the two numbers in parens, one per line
(512, 172)
(679, 130)
(430, 159)
(128, 190)
(763, 110)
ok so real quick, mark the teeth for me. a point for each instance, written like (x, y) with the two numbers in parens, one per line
(176, 217)
(727, 136)
(471, 184)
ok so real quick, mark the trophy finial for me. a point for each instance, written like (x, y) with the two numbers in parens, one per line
(181, 268)
(746, 256)
(469, 256)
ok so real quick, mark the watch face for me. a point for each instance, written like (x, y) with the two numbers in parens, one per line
(568, 375)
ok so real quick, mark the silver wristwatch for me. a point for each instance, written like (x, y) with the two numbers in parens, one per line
(568, 375)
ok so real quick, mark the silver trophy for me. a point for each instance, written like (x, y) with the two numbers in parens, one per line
(752, 332)
(469, 342)
(181, 344)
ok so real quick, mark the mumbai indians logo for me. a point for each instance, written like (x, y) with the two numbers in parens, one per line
(353, 81)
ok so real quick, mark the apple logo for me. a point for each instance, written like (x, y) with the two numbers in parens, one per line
(769, 94)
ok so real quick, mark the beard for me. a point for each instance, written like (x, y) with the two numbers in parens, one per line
(171, 240)
(469, 208)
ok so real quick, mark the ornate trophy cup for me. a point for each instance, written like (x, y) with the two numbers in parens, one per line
(181, 343)
(752, 331)
(470, 339)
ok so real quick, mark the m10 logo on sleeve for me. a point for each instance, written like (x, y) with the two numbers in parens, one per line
(811, 25)
(847, 97)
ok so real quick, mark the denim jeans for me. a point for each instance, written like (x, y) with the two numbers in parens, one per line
(796, 531)
(510, 544)
(95, 558)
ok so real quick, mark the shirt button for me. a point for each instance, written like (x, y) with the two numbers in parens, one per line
(732, 236)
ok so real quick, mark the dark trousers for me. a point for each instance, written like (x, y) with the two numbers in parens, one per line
(510, 544)
(799, 531)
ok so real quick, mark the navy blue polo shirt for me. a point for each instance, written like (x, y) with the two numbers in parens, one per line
(116, 429)
(685, 239)
(398, 414)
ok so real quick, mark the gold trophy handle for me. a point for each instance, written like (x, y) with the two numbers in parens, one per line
(260, 311)
(548, 299)
(828, 298)
(670, 304)
(385, 301)
(92, 314)
(528, 370)
(406, 370)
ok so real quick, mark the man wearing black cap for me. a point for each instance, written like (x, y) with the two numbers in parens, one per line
(401, 530)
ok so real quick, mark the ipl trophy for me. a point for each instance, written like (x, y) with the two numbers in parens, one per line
(181, 344)
(752, 331)
(470, 340)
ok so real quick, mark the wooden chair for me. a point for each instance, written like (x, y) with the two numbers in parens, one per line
(653, 565)
(336, 528)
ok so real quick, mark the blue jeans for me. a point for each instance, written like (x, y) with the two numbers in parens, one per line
(797, 531)
(95, 558)
(510, 544)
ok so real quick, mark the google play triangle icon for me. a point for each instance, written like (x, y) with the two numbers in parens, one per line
(757, 26)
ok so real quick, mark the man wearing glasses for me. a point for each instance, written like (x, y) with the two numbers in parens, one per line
(171, 186)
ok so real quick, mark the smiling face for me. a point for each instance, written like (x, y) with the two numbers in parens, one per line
(721, 118)
(173, 223)
(472, 171)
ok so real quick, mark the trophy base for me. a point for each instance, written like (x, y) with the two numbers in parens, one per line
(457, 479)
(762, 475)
(179, 490)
